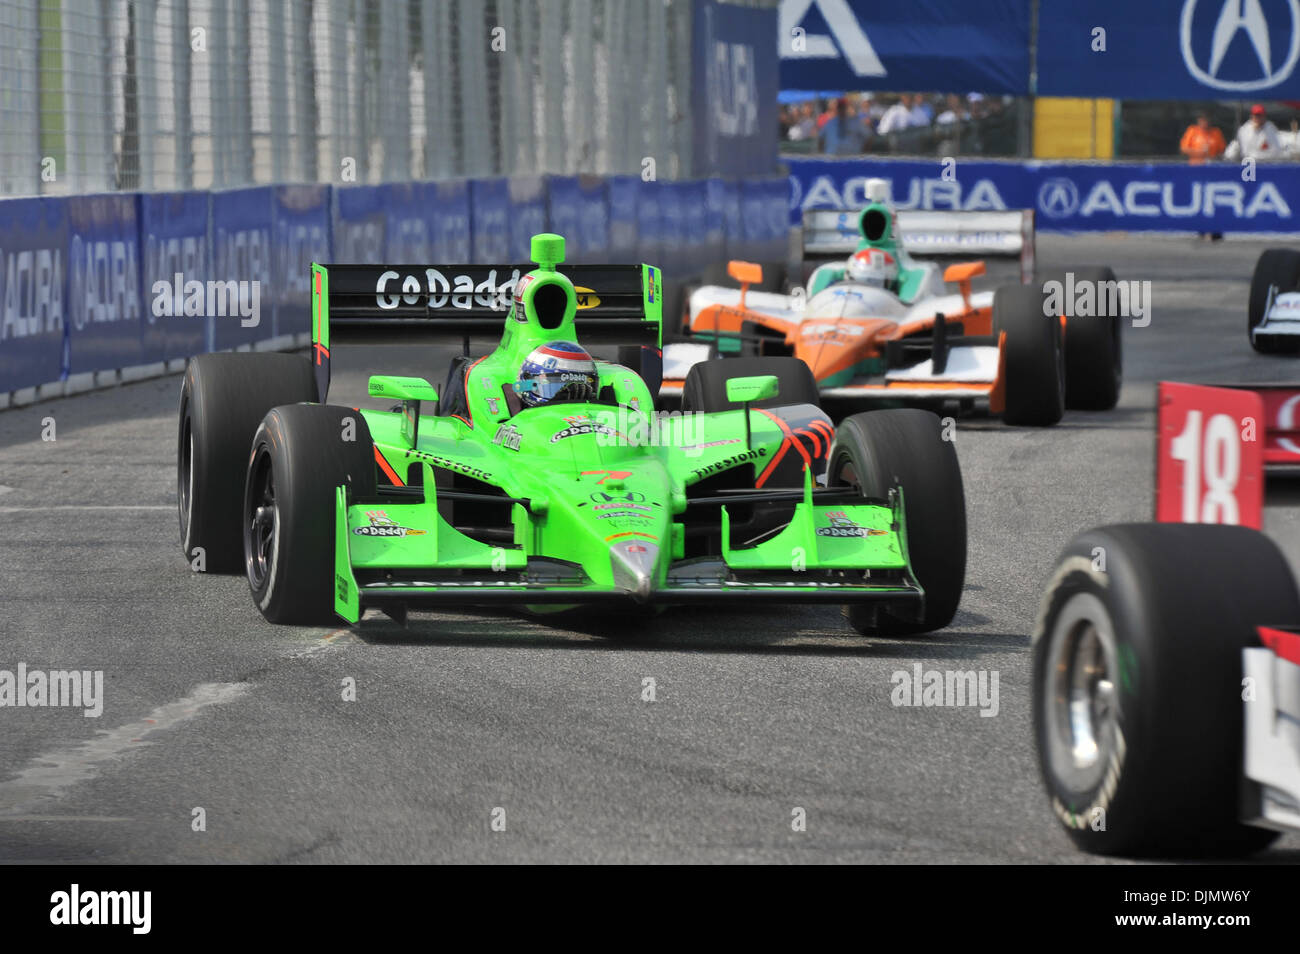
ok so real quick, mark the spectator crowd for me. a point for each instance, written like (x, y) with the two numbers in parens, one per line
(858, 123)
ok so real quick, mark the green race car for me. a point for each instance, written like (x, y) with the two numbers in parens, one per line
(541, 478)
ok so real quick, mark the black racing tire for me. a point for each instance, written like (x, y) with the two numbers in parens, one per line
(1034, 357)
(300, 454)
(223, 399)
(705, 388)
(877, 450)
(1094, 369)
(1137, 674)
(1280, 267)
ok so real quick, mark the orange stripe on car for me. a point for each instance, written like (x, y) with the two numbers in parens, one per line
(387, 469)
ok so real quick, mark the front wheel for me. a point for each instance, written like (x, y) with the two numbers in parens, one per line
(1033, 357)
(301, 453)
(1277, 268)
(906, 447)
(1137, 673)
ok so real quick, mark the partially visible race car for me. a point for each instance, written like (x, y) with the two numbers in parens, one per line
(1273, 314)
(894, 330)
(1166, 679)
(545, 479)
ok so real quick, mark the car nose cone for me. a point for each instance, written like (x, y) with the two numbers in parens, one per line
(633, 564)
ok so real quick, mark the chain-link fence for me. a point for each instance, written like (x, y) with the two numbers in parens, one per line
(164, 94)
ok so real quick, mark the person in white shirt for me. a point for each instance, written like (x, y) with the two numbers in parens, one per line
(897, 117)
(1256, 139)
(954, 113)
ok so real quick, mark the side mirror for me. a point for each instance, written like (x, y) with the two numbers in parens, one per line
(401, 389)
(747, 273)
(963, 271)
(747, 390)
(757, 388)
(410, 391)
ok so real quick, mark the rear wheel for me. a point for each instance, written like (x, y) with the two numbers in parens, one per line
(1137, 684)
(1093, 365)
(705, 388)
(223, 399)
(877, 450)
(300, 454)
(1278, 267)
(1033, 355)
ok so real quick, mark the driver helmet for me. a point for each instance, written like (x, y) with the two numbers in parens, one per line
(557, 371)
(873, 266)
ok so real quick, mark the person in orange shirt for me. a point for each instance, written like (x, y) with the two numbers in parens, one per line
(1202, 141)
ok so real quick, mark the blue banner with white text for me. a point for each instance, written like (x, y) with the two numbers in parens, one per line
(175, 253)
(104, 308)
(945, 46)
(1068, 196)
(241, 268)
(734, 85)
(300, 235)
(33, 289)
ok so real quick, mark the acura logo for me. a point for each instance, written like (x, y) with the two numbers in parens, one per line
(1058, 198)
(1238, 17)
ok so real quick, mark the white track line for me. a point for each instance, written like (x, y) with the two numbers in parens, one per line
(88, 507)
(50, 775)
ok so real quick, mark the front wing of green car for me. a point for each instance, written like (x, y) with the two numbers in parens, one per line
(837, 548)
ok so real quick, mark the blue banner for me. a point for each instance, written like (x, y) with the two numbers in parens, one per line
(765, 227)
(673, 257)
(33, 291)
(407, 223)
(300, 217)
(593, 219)
(357, 225)
(452, 234)
(241, 273)
(527, 214)
(733, 228)
(175, 249)
(734, 85)
(104, 307)
(946, 46)
(1171, 49)
(562, 200)
(490, 219)
(648, 223)
(1068, 196)
(623, 191)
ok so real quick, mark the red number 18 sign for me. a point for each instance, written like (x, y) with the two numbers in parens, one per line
(1209, 455)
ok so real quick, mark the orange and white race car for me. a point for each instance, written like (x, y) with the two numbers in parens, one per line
(883, 326)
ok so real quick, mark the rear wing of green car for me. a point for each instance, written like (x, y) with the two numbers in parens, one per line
(397, 304)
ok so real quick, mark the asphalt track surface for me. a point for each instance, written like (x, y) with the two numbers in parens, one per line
(757, 713)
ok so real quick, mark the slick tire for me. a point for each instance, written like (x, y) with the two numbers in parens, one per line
(877, 450)
(299, 456)
(1280, 267)
(1137, 693)
(1034, 357)
(1093, 359)
(223, 399)
(705, 388)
